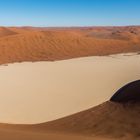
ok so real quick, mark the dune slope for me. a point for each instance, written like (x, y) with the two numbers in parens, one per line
(109, 120)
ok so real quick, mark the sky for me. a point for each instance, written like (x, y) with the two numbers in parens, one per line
(69, 12)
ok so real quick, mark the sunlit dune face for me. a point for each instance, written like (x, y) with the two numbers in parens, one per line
(43, 91)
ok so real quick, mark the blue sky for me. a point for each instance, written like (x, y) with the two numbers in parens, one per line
(69, 12)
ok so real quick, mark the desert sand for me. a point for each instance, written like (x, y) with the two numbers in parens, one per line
(30, 101)
(19, 44)
(34, 96)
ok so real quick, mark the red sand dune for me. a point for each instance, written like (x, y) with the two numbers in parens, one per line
(38, 44)
(108, 120)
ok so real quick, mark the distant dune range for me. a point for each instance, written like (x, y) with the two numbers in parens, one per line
(19, 44)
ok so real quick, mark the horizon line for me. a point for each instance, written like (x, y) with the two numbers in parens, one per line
(73, 26)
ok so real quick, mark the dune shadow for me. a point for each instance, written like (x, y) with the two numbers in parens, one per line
(128, 93)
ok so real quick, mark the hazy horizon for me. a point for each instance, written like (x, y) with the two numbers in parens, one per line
(70, 26)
